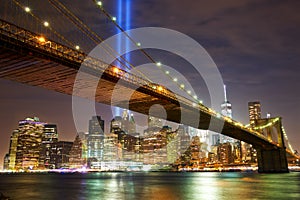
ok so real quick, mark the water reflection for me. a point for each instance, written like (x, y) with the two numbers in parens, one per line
(157, 186)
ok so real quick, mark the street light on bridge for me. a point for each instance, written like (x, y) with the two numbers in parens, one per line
(27, 9)
(41, 39)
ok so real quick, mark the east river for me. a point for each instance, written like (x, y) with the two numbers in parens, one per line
(151, 185)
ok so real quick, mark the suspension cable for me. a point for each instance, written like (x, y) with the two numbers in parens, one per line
(91, 34)
(157, 64)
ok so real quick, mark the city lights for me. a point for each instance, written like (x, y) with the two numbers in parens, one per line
(117, 148)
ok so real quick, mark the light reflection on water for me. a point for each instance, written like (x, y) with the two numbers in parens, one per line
(157, 186)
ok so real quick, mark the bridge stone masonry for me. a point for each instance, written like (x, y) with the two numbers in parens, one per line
(27, 59)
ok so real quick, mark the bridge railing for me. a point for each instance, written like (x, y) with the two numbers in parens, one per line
(42, 43)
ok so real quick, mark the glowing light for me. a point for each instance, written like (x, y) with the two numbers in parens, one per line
(127, 23)
(27, 9)
(154, 87)
(182, 85)
(114, 18)
(201, 101)
(46, 24)
(42, 39)
(116, 70)
(189, 91)
(99, 3)
(138, 44)
(175, 79)
(77, 47)
(195, 96)
(167, 72)
(158, 64)
(160, 88)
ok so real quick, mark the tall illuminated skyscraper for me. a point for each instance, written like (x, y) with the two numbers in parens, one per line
(50, 136)
(226, 108)
(13, 149)
(75, 156)
(254, 112)
(30, 133)
(95, 140)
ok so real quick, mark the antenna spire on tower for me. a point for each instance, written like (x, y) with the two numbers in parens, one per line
(225, 93)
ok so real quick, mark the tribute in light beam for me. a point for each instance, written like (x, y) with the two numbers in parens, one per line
(123, 18)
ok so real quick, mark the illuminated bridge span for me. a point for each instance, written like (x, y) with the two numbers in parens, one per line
(28, 58)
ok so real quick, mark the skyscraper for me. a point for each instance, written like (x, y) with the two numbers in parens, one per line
(61, 153)
(6, 162)
(50, 136)
(95, 140)
(124, 124)
(254, 112)
(13, 149)
(116, 125)
(30, 133)
(226, 109)
(75, 157)
(154, 122)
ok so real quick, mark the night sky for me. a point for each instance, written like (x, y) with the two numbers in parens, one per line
(254, 43)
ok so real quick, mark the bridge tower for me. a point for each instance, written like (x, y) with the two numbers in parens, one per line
(272, 160)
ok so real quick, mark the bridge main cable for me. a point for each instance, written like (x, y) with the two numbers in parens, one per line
(91, 34)
(157, 64)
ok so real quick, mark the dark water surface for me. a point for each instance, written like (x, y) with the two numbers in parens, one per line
(152, 185)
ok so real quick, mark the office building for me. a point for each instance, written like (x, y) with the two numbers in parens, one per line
(6, 162)
(30, 133)
(254, 112)
(154, 122)
(112, 149)
(60, 154)
(75, 156)
(226, 110)
(225, 153)
(95, 139)
(124, 124)
(50, 136)
(13, 149)
(116, 125)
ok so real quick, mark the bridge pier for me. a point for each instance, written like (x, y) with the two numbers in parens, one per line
(272, 160)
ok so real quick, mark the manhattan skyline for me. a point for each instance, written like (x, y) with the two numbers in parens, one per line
(255, 49)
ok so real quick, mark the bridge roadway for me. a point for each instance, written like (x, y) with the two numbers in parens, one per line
(28, 59)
